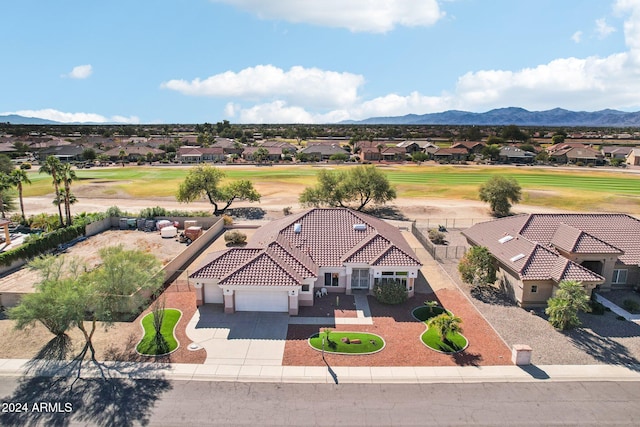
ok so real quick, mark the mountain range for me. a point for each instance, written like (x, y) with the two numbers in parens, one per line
(513, 116)
(556, 117)
(15, 119)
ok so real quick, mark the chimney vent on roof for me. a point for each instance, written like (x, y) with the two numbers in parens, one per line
(359, 227)
(297, 228)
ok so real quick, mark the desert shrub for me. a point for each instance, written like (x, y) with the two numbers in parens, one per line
(286, 211)
(115, 211)
(579, 164)
(393, 292)
(630, 305)
(235, 237)
(437, 237)
(227, 220)
(25, 166)
(153, 212)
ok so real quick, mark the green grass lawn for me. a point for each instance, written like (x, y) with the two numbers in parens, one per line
(579, 189)
(370, 343)
(430, 338)
(148, 346)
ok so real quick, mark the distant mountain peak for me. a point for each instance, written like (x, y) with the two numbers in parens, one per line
(556, 117)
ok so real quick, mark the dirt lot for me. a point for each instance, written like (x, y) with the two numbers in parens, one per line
(88, 251)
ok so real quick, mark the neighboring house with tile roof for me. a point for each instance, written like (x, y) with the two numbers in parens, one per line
(513, 154)
(535, 252)
(633, 158)
(288, 260)
(191, 154)
(320, 152)
(451, 154)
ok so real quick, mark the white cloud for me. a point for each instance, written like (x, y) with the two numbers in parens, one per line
(60, 116)
(375, 16)
(577, 36)
(80, 72)
(631, 25)
(314, 87)
(603, 29)
(267, 94)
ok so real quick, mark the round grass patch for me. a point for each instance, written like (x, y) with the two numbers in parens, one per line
(152, 345)
(344, 342)
(454, 343)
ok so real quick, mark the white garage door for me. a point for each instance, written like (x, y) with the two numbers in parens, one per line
(262, 301)
(213, 294)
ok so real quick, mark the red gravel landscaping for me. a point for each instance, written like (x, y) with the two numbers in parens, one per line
(401, 333)
(326, 307)
(180, 297)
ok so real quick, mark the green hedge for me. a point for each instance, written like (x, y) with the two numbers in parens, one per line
(42, 244)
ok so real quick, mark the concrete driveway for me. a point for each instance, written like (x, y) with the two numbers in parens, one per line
(243, 338)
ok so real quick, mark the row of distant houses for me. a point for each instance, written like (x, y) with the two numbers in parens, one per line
(222, 149)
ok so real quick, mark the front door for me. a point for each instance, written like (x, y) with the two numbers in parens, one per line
(360, 278)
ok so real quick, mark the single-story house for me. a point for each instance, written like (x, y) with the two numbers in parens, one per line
(633, 158)
(585, 155)
(319, 152)
(513, 154)
(535, 252)
(451, 154)
(189, 154)
(385, 153)
(133, 153)
(65, 153)
(616, 152)
(288, 260)
(274, 153)
(229, 146)
(472, 147)
(410, 146)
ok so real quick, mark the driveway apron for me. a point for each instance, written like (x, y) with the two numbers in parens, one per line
(242, 338)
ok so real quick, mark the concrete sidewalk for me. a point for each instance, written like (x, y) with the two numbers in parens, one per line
(322, 375)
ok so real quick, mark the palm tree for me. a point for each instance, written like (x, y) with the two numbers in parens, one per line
(563, 308)
(5, 184)
(67, 176)
(52, 166)
(431, 304)
(122, 154)
(446, 324)
(379, 147)
(18, 178)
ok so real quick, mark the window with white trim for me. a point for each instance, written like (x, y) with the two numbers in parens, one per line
(619, 277)
(331, 279)
(391, 277)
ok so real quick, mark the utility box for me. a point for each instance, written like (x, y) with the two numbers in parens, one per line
(521, 354)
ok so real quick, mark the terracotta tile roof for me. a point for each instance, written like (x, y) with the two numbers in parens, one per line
(620, 231)
(219, 264)
(533, 259)
(367, 251)
(279, 255)
(570, 239)
(394, 256)
(266, 269)
(565, 269)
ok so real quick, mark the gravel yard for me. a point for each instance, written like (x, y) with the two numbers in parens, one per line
(23, 280)
(601, 339)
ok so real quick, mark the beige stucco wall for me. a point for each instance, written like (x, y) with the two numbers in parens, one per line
(539, 298)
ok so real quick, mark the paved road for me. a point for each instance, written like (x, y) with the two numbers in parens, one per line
(187, 403)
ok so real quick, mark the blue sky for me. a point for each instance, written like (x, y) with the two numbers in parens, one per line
(313, 61)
